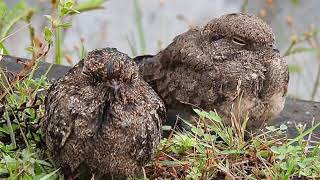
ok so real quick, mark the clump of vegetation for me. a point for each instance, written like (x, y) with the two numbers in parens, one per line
(20, 115)
(212, 150)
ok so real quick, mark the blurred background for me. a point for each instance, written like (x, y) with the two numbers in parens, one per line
(139, 27)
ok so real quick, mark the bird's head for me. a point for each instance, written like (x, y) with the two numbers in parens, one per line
(237, 34)
(109, 64)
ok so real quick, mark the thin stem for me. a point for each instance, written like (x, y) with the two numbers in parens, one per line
(132, 47)
(11, 132)
(31, 33)
(316, 85)
(18, 30)
(12, 22)
(21, 131)
(314, 44)
(303, 134)
(288, 51)
(244, 7)
(58, 46)
(138, 19)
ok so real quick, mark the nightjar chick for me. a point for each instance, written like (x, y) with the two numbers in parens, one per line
(103, 116)
(230, 65)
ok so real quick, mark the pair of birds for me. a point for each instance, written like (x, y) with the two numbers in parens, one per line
(106, 113)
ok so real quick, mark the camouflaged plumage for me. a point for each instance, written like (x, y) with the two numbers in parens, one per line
(102, 115)
(230, 65)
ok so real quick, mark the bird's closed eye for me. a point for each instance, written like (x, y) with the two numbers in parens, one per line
(238, 40)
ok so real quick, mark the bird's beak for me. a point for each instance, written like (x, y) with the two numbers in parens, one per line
(274, 48)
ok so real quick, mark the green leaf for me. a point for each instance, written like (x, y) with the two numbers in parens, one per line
(214, 116)
(263, 153)
(4, 49)
(8, 159)
(284, 167)
(68, 4)
(30, 49)
(48, 176)
(281, 157)
(66, 8)
(88, 5)
(302, 165)
(64, 11)
(201, 114)
(197, 111)
(197, 131)
(49, 18)
(271, 128)
(275, 149)
(4, 130)
(48, 35)
(208, 137)
(166, 128)
(283, 127)
(65, 25)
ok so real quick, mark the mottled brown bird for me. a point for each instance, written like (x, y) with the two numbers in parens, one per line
(230, 65)
(103, 116)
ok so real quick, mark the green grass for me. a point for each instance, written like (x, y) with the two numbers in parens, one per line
(212, 150)
(21, 148)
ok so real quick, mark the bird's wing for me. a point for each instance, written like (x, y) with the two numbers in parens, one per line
(65, 108)
(58, 123)
(159, 116)
(156, 67)
(276, 79)
(286, 77)
(171, 72)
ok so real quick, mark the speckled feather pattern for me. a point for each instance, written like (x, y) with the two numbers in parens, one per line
(103, 115)
(206, 67)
